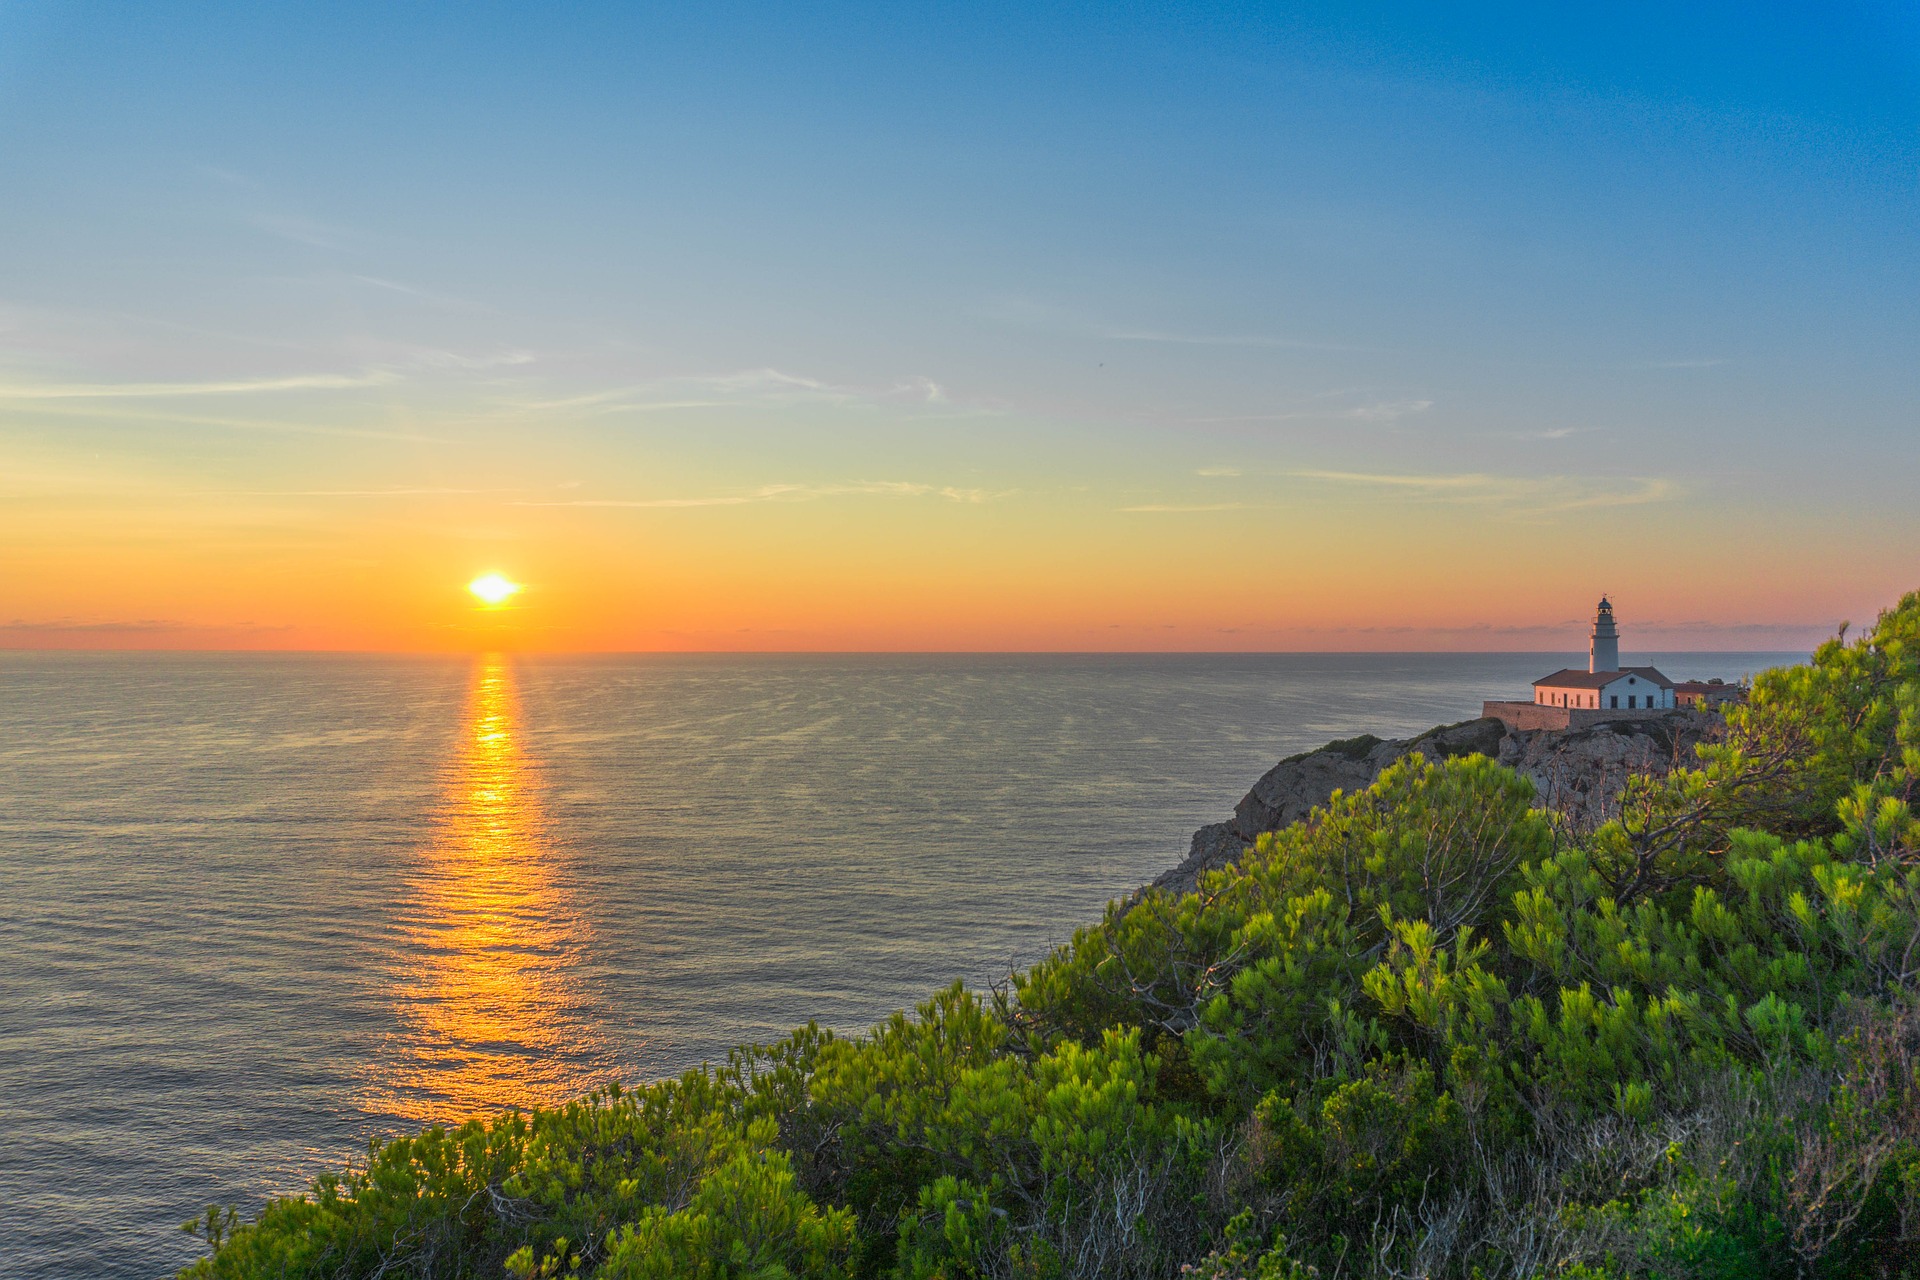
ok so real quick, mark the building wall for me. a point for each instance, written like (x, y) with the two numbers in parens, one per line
(1638, 688)
(1630, 686)
(1548, 696)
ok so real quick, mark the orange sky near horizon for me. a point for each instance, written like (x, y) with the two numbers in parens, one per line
(1300, 566)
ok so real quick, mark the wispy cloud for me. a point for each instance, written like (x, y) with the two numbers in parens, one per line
(782, 493)
(621, 400)
(1386, 411)
(764, 386)
(1437, 483)
(1257, 340)
(1371, 411)
(253, 203)
(1653, 489)
(1552, 634)
(1527, 495)
(348, 493)
(1517, 495)
(1027, 313)
(436, 358)
(165, 390)
(446, 301)
(131, 626)
(89, 409)
(295, 229)
(71, 624)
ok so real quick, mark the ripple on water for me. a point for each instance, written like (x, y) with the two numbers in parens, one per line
(260, 908)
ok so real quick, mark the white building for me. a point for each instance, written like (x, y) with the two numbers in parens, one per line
(1605, 685)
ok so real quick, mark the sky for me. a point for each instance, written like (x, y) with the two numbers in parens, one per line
(931, 327)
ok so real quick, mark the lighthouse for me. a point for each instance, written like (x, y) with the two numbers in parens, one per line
(1603, 649)
(1573, 698)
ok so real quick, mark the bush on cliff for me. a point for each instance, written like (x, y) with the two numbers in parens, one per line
(1426, 1032)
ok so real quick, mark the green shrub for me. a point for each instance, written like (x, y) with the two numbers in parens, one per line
(1426, 1032)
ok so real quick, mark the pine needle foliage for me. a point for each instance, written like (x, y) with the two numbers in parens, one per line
(1429, 1031)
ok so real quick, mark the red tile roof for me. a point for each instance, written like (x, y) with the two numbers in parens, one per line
(1574, 678)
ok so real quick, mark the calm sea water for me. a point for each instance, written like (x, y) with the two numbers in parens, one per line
(260, 908)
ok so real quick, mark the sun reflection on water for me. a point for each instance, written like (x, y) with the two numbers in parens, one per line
(488, 998)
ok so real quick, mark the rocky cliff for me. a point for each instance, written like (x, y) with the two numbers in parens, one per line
(1577, 771)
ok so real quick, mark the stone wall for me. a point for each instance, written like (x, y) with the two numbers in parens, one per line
(1526, 715)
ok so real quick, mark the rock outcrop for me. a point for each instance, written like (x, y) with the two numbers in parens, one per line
(1578, 772)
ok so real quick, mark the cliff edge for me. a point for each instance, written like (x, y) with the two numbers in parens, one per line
(1577, 771)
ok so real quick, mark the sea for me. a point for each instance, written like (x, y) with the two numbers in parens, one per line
(257, 910)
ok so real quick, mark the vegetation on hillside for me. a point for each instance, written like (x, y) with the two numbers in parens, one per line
(1429, 1031)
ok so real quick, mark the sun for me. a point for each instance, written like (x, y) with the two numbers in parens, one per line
(493, 589)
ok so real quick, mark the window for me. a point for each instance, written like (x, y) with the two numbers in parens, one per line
(1616, 700)
(1631, 700)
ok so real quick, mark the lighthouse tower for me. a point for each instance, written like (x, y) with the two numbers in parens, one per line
(1603, 650)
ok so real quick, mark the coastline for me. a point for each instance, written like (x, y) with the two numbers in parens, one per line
(1577, 772)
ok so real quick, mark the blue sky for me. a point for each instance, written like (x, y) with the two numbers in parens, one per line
(1634, 286)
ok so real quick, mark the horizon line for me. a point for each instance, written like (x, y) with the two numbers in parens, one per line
(830, 653)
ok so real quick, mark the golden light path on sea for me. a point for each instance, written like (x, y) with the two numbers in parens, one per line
(487, 998)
